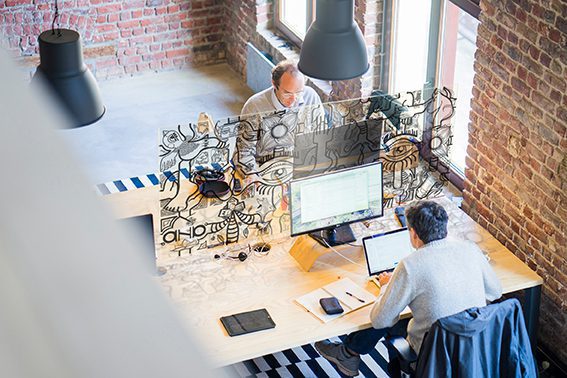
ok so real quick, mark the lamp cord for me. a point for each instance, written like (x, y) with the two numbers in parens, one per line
(56, 18)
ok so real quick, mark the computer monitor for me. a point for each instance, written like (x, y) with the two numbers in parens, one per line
(324, 205)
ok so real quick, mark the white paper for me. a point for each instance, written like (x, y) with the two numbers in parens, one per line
(338, 289)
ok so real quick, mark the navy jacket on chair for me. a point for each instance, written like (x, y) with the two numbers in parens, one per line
(491, 341)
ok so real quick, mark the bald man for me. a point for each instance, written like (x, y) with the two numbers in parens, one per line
(263, 138)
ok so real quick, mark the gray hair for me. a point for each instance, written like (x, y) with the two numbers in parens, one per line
(428, 219)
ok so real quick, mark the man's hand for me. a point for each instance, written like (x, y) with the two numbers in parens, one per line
(384, 278)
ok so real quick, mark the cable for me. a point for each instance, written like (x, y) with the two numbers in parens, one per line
(355, 245)
(340, 254)
(56, 18)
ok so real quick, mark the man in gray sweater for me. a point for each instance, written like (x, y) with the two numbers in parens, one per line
(268, 125)
(441, 278)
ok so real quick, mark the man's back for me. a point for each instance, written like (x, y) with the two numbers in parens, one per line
(440, 279)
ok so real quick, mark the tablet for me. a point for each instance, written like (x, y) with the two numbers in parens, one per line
(384, 251)
(246, 322)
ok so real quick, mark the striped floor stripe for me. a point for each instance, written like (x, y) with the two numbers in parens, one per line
(304, 361)
(118, 186)
(144, 181)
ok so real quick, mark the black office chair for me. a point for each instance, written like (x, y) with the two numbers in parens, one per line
(490, 341)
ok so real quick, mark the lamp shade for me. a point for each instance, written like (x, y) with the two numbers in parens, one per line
(63, 70)
(333, 48)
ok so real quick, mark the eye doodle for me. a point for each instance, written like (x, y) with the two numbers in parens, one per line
(276, 173)
(401, 152)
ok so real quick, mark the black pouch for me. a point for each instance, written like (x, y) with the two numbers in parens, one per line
(331, 305)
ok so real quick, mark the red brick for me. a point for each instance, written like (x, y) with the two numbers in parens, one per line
(129, 24)
(177, 53)
(13, 3)
(111, 8)
(173, 9)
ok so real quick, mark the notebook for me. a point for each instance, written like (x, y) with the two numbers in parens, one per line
(350, 296)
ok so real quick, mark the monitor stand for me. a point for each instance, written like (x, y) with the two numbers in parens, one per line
(333, 236)
(307, 250)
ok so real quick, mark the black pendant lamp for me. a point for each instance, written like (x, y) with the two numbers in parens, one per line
(333, 48)
(62, 68)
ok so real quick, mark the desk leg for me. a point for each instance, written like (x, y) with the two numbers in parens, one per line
(531, 313)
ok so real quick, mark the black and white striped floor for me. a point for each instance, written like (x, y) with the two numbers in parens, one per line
(304, 361)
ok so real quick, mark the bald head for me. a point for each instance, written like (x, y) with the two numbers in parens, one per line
(288, 83)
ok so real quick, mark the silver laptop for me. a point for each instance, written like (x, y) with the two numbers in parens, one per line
(384, 251)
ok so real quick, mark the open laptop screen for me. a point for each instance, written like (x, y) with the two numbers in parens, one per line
(384, 251)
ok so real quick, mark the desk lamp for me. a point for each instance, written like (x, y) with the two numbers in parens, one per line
(63, 70)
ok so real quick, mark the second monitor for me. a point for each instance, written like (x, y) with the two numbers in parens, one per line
(324, 205)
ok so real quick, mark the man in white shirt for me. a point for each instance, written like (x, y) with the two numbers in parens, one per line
(441, 278)
(271, 118)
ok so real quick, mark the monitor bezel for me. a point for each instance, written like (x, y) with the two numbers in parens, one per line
(381, 234)
(378, 163)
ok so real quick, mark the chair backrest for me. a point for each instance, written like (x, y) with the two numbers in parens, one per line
(489, 341)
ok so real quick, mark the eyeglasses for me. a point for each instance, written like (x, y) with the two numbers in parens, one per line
(290, 95)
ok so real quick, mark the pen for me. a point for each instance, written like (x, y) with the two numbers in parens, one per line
(354, 296)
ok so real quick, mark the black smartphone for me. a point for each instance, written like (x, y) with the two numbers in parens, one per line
(246, 322)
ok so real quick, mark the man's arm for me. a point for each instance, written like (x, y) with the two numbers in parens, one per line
(397, 295)
(492, 286)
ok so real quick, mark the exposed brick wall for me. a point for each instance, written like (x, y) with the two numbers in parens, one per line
(240, 27)
(248, 21)
(368, 15)
(120, 37)
(516, 181)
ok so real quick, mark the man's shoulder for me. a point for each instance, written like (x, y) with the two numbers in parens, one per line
(258, 102)
(310, 96)
(447, 246)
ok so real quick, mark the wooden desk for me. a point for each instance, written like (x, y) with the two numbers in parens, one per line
(204, 289)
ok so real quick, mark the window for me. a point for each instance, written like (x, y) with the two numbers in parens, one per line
(293, 18)
(456, 73)
(433, 45)
(409, 38)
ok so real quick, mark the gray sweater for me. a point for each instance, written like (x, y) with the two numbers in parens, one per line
(441, 278)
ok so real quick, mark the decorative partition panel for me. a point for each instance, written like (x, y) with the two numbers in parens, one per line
(251, 157)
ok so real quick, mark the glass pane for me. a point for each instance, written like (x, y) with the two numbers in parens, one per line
(459, 46)
(411, 31)
(294, 16)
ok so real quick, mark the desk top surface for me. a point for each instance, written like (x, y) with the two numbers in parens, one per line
(204, 288)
